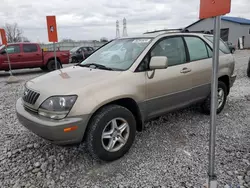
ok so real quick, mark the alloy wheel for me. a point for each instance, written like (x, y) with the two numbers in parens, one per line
(115, 134)
(221, 96)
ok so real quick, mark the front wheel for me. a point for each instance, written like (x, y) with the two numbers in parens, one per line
(111, 133)
(222, 97)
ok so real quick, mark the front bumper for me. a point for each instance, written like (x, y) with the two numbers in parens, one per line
(52, 130)
(232, 80)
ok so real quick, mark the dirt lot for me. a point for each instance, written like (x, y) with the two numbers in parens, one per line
(171, 152)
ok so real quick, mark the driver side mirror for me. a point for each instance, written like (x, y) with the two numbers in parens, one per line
(158, 62)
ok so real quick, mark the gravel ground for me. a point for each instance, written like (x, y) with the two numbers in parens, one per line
(171, 152)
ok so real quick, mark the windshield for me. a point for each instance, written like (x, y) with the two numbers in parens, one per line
(74, 49)
(119, 54)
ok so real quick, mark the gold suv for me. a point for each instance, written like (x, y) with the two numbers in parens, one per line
(110, 95)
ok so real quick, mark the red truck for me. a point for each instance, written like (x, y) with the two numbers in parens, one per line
(30, 55)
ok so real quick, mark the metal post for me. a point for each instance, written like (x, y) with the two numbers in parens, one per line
(8, 57)
(54, 45)
(214, 91)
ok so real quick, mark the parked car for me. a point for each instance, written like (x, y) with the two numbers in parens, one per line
(248, 68)
(104, 103)
(117, 53)
(78, 54)
(30, 55)
(231, 47)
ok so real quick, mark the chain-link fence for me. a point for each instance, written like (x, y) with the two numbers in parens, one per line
(70, 45)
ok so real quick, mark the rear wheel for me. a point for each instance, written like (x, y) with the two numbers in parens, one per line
(111, 133)
(222, 97)
(51, 65)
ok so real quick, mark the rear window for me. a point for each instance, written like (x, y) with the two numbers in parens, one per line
(29, 48)
(223, 47)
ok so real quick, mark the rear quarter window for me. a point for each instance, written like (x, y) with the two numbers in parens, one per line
(223, 47)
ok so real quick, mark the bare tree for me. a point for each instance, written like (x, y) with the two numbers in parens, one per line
(14, 33)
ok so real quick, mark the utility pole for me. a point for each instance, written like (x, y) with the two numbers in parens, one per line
(117, 29)
(124, 34)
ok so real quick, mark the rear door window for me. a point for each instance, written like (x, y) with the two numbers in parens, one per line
(197, 48)
(28, 48)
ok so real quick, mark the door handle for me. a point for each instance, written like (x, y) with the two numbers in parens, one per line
(19, 55)
(185, 70)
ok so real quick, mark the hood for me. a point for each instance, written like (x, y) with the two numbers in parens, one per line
(65, 81)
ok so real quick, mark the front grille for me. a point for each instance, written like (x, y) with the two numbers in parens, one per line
(30, 96)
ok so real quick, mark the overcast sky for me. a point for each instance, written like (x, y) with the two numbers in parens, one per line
(93, 19)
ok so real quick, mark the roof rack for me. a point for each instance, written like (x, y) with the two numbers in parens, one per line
(163, 30)
(184, 30)
(204, 31)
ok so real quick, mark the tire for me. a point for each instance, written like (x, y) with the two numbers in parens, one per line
(51, 65)
(248, 69)
(207, 103)
(98, 146)
(232, 51)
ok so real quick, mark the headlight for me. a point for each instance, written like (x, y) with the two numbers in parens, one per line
(57, 107)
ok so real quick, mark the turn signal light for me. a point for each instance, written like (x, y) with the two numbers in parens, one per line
(68, 129)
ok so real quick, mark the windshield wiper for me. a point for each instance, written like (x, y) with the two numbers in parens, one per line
(99, 66)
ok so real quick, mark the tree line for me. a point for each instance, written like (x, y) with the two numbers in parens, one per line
(14, 33)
